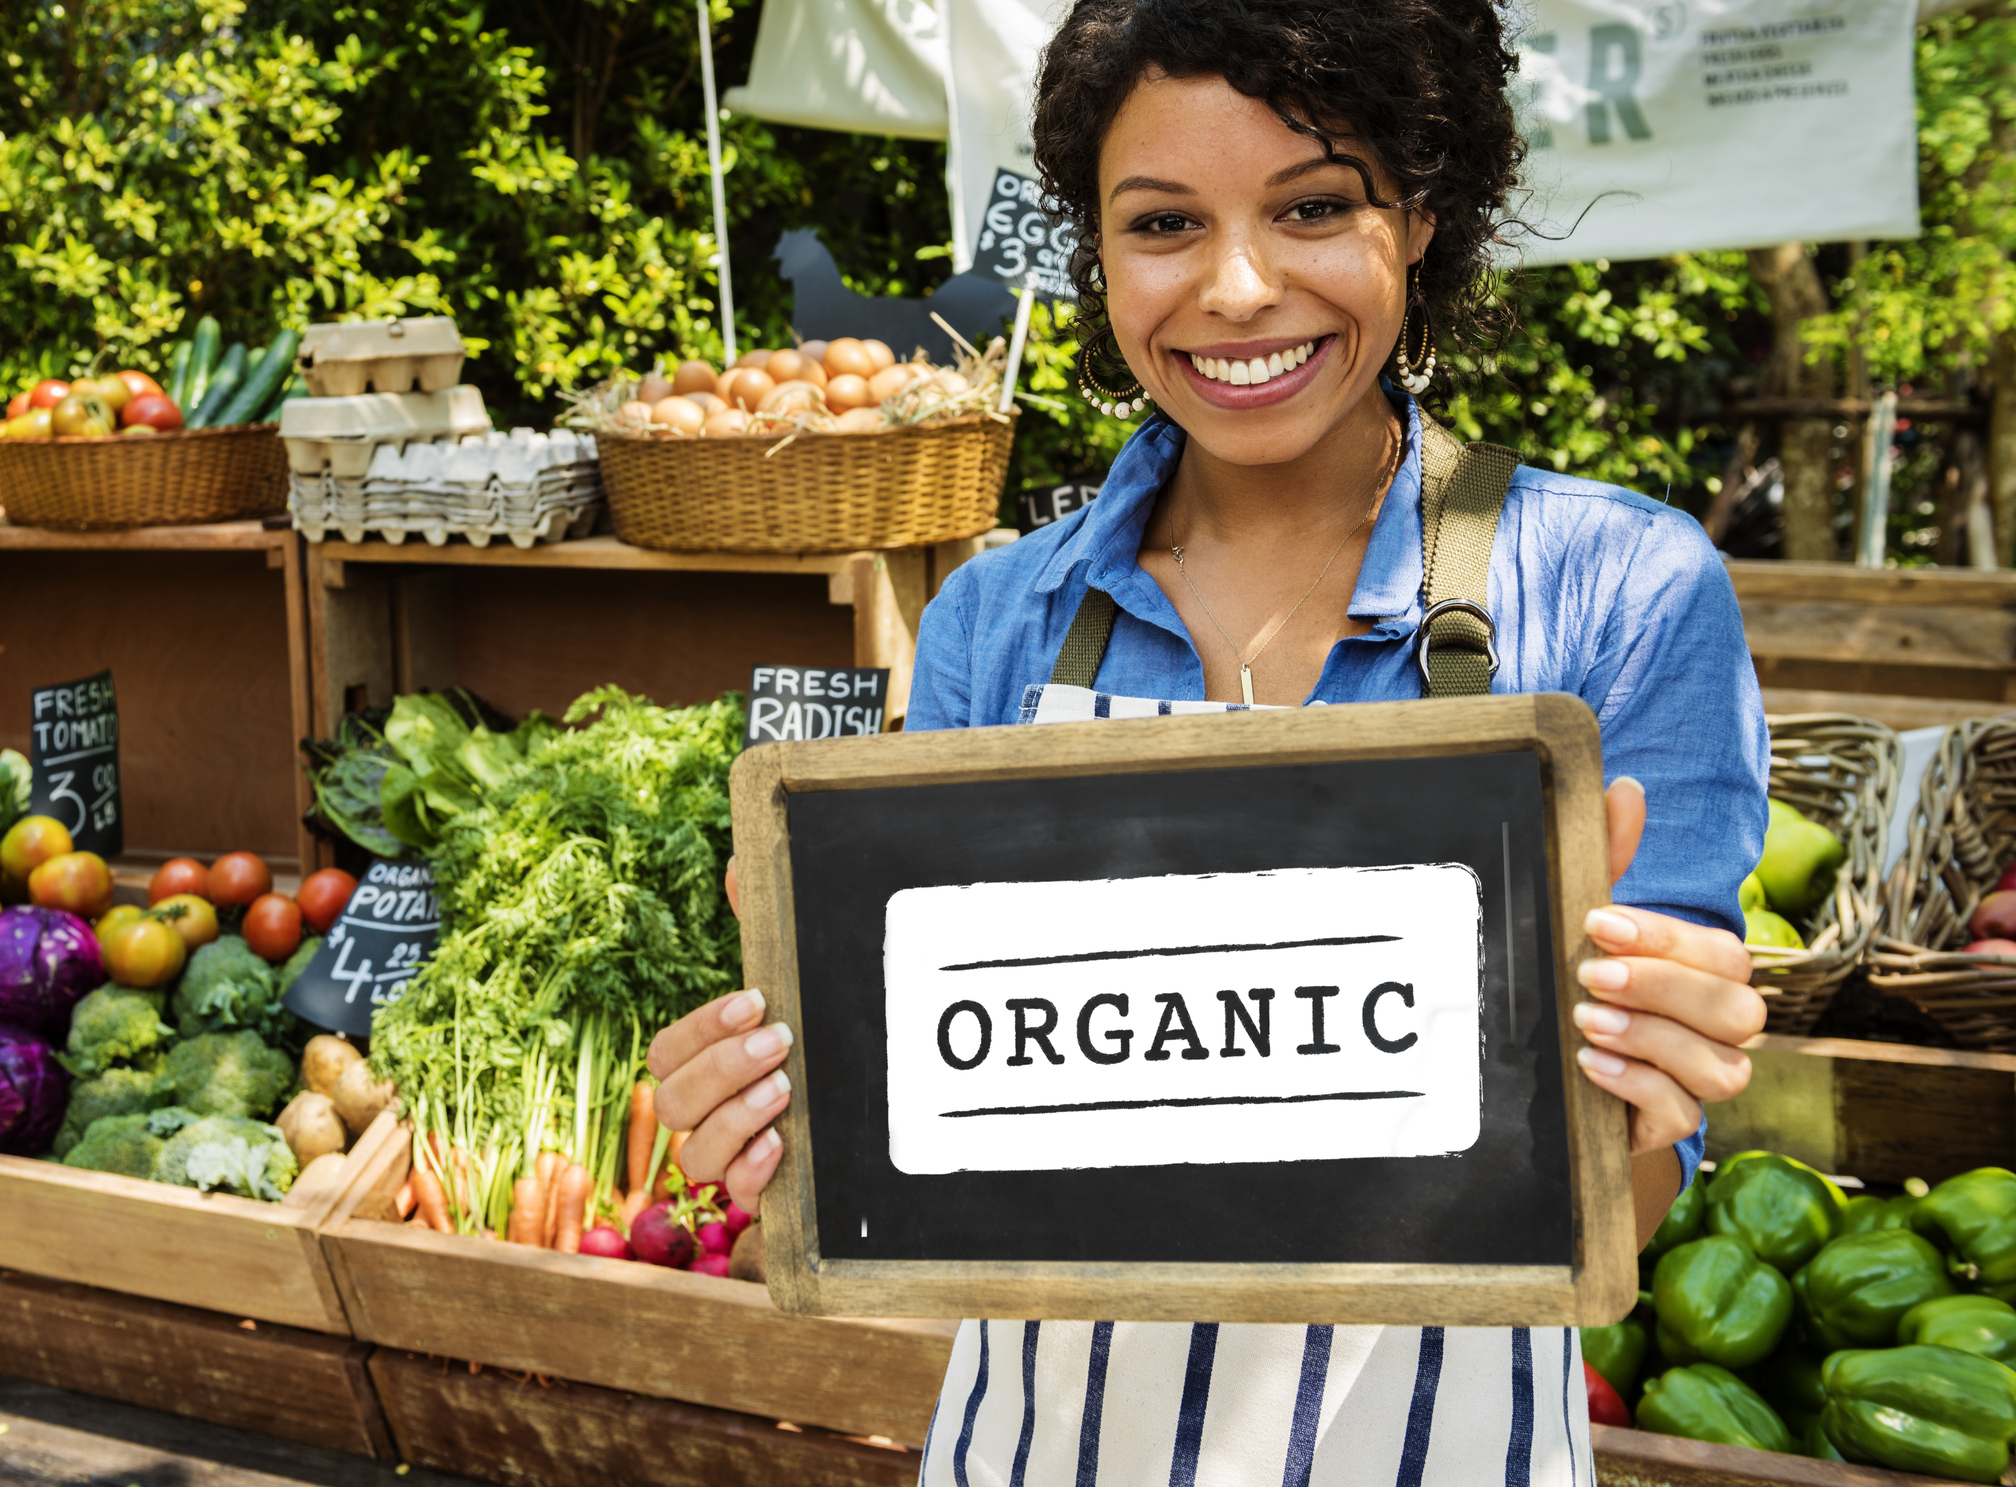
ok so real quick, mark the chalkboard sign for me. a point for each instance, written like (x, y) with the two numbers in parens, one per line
(1039, 505)
(73, 749)
(1023, 241)
(371, 952)
(788, 703)
(1257, 1016)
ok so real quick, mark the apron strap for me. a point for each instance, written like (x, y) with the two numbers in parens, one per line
(1085, 642)
(1463, 489)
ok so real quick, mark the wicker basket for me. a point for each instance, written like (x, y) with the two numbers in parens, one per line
(1843, 772)
(187, 477)
(901, 487)
(1963, 834)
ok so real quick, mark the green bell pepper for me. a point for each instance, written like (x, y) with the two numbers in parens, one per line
(1682, 1223)
(1705, 1403)
(1716, 1300)
(1618, 1353)
(1789, 1380)
(1973, 1218)
(1814, 1442)
(1922, 1409)
(1973, 1324)
(1866, 1215)
(1782, 1209)
(1856, 1290)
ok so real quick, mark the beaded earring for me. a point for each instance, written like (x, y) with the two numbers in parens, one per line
(1113, 404)
(1418, 371)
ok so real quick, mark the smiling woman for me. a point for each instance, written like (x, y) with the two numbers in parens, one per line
(1278, 202)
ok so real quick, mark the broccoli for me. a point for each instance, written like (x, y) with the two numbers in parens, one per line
(226, 986)
(118, 1143)
(113, 1026)
(115, 1092)
(246, 1157)
(227, 1074)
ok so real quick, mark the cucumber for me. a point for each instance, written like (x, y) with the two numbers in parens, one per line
(178, 371)
(202, 362)
(295, 388)
(230, 369)
(255, 389)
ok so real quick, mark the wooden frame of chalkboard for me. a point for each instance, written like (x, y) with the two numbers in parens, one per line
(1442, 1237)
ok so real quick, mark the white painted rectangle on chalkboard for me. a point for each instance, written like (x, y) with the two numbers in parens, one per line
(1308, 1014)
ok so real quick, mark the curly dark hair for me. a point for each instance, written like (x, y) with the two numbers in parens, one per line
(1421, 84)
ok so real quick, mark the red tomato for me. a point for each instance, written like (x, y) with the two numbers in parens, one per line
(32, 841)
(48, 393)
(2003, 884)
(1606, 1406)
(17, 405)
(323, 897)
(144, 953)
(151, 410)
(77, 881)
(237, 878)
(139, 382)
(180, 875)
(273, 927)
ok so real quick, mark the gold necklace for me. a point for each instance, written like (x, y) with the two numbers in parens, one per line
(1246, 664)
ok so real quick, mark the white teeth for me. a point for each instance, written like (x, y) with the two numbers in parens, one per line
(1301, 353)
(1274, 367)
(1242, 374)
(1255, 371)
(1222, 369)
(1198, 363)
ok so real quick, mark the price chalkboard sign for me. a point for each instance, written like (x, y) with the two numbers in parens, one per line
(73, 748)
(801, 702)
(1023, 242)
(384, 933)
(1039, 505)
(1245, 1017)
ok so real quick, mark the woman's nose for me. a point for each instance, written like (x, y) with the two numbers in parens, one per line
(1242, 283)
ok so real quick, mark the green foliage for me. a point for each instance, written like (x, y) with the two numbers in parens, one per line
(236, 1155)
(114, 1026)
(226, 986)
(227, 1074)
(115, 1092)
(122, 1144)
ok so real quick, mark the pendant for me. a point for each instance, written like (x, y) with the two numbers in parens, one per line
(1246, 682)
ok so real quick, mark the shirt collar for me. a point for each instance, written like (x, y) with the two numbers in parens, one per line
(1109, 537)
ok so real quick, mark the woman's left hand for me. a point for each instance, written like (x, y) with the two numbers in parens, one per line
(1673, 1003)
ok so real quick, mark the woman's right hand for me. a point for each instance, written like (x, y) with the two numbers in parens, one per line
(718, 1077)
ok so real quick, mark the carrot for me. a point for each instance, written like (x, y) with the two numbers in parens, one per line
(661, 1184)
(643, 1131)
(528, 1212)
(633, 1205)
(576, 1187)
(431, 1200)
(404, 1202)
(548, 1169)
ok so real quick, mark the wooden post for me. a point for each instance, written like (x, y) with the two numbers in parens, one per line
(1793, 286)
(2002, 450)
(889, 598)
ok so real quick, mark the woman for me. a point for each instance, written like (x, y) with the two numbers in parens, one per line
(1276, 200)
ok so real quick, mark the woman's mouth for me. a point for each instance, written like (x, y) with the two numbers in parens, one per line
(1254, 377)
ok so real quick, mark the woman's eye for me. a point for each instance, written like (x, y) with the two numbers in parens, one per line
(1168, 223)
(1314, 211)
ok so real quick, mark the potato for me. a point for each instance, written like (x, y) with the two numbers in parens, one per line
(324, 1059)
(745, 1261)
(312, 1127)
(358, 1100)
(316, 1179)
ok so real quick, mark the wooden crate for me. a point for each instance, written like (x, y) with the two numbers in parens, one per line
(1878, 1111)
(537, 1432)
(1637, 1458)
(623, 1325)
(215, 1366)
(210, 1250)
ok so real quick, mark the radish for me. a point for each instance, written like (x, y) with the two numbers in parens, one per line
(706, 1192)
(737, 1218)
(659, 1241)
(1995, 917)
(606, 1242)
(715, 1238)
(711, 1265)
(1992, 947)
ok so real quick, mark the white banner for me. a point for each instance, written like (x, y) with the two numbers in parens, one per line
(1671, 125)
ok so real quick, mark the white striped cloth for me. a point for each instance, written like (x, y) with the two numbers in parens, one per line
(1204, 1404)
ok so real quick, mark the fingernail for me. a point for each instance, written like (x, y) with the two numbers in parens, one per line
(1625, 779)
(768, 1092)
(1616, 928)
(1596, 1061)
(1603, 975)
(763, 1145)
(1592, 1018)
(742, 1009)
(766, 1041)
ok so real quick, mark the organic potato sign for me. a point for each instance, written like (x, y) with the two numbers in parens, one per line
(383, 934)
(73, 750)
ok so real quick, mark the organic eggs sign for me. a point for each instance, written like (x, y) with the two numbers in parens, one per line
(1301, 1015)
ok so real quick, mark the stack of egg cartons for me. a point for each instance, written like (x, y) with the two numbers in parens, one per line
(396, 461)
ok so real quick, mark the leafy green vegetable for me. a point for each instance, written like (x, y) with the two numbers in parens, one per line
(229, 1074)
(246, 1157)
(16, 787)
(166, 1122)
(114, 1026)
(115, 1092)
(122, 1144)
(227, 986)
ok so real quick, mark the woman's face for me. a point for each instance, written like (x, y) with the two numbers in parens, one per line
(1231, 247)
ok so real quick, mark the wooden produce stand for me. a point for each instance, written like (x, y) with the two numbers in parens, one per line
(205, 630)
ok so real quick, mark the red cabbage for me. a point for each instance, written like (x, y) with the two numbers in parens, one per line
(48, 960)
(32, 1094)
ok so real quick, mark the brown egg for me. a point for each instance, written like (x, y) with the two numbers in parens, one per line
(816, 350)
(706, 401)
(791, 397)
(722, 425)
(890, 381)
(654, 388)
(745, 387)
(859, 421)
(881, 354)
(634, 412)
(849, 355)
(681, 415)
(794, 366)
(848, 391)
(753, 358)
(694, 376)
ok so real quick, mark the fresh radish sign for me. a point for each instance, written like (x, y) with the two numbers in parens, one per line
(1302, 1015)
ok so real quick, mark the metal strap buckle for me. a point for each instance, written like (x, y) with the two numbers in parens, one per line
(1455, 606)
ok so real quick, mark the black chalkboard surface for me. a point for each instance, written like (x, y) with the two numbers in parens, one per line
(1252, 1016)
(73, 751)
(372, 950)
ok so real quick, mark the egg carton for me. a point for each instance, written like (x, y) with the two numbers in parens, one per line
(341, 359)
(344, 434)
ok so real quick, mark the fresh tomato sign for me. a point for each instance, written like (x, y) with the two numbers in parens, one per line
(73, 749)
(384, 933)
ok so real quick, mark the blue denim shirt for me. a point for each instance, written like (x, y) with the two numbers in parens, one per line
(1596, 591)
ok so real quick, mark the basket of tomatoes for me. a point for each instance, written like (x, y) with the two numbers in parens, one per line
(120, 451)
